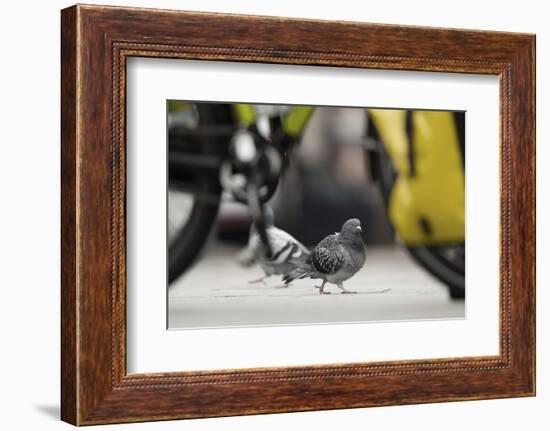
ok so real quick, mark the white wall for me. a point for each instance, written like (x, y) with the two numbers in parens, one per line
(29, 227)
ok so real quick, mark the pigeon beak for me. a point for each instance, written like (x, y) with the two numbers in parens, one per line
(359, 229)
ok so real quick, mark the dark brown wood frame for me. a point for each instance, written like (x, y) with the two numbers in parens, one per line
(95, 43)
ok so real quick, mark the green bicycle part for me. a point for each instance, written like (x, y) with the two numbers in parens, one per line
(426, 203)
(178, 105)
(246, 114)
(296, 120)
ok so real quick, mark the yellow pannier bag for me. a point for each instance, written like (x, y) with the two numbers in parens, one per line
(426, 204)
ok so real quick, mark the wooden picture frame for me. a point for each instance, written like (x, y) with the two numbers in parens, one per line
(95, 43)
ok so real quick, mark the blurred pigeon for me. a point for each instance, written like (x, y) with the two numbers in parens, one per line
(285, 250)
(335, 259)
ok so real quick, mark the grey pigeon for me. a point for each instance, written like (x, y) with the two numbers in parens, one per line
(286, 250)
(335, 259)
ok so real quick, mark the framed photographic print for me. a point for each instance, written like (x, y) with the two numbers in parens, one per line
(266, 215)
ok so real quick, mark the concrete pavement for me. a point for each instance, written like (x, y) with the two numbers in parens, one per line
(216, 293)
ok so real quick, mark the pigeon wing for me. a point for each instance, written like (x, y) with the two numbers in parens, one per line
(328, 256)
(285, 246)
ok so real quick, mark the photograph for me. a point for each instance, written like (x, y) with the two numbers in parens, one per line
(299, 215)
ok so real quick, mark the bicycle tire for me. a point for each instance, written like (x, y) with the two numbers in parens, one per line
(191, 237)
(433, 262)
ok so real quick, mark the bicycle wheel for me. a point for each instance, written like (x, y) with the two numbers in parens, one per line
(446, 263)
(198, 140)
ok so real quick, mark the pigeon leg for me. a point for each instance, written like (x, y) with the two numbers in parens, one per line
(321, 289)
(344, 290)
(258, 280)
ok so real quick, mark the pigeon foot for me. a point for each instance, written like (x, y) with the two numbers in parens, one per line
(322, 291)
(258, 280)
(343, 289)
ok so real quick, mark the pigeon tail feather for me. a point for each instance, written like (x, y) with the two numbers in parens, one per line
(295, 274)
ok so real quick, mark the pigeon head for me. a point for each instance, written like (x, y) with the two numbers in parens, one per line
(352, 230)
(352, 225)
